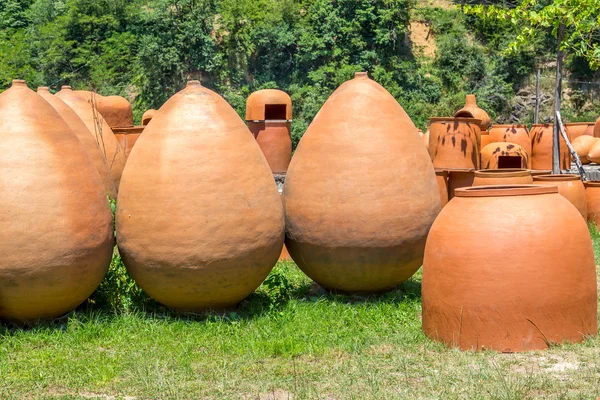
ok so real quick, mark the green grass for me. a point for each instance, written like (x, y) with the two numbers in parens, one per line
(290, 339)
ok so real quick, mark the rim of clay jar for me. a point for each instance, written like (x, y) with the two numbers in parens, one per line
(456, 169)
(537, 172)
(579, 123)
(19, 82)
(508, 126)
(453, 119)
(504, 190)
(502, 173)
(592, 183)
(557, 177)
(541, 125)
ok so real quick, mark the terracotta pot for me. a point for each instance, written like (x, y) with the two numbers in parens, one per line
(454, 143)
(117, 111)
(597, 128)
(442, 180)
(533, 285)
(358, 211)
(505, 176)
(485, 139)
(127, 137)
(56, 232)
(582, 146)
(85, 138)
(471, 110)
(500, 155)
(99, 129)
(569, 186)
(268, 104)
(202, 227)
(147, 117)
(517, 134)
(541, 153)
(592, 195)
(594, 152)
(275, 140)
(459, 178)
(577, 129)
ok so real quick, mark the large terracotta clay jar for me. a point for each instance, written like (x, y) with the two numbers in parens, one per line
(84, 136)
(569, 186)
(56, 233)
(459, 178)
(597, 128)
(199, 218)
(505, 176)
(499, 155)
(517, 134)
(541, 153)
(147, 117)
(269, 117)
(99, 129)
(582, 146)
(533, 285)
(358, 211)
(577, 129)
(454, 143)
(471, 110)
(594, 152)
(442, 180)
(116, 110)
(592, 196)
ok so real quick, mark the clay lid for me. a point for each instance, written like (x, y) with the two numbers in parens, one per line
(504, 190)
(452, 119)
(502, 173)
(557, 177)
(260, 101)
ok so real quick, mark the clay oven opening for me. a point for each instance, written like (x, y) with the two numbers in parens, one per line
(275, 111)
(509, 162)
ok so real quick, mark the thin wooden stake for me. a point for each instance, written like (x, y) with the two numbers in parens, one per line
(571, 149)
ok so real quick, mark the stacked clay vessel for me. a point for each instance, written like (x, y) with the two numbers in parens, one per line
(472, 110)
(533, 285)
(454, 143)
(199, 218)
(569, 186)
(517, 134)
(56, 232)
(360, 193)
(502, 177)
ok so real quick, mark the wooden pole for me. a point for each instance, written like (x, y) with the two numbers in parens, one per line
(536, 116)
(557, 93)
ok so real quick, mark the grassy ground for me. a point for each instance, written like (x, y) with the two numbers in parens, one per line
(290, 340)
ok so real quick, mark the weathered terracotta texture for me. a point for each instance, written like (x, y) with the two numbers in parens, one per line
(268, 104)
(594, 152)
(442, 180)
(99, 129)
(459, 178)
(485, 139)
(533, 285)
(517, 134)
(577, 129)
(569, 186)
(148, 115)
(358, 211)
(592, 196)
(582, 146)
(275, 140)
(199, 218)
(504, 176)
(597, 128)
(117, 111)
(499, 155)
(454, 143)
(56, 233)
(425, 137)
(84, 136)
(127, 137)
(471, 110)
(541, 153)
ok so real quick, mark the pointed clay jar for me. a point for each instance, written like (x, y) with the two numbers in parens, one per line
(360, 193)
(56, 233)
(472, 110)
(199, 218)
(582, 146)
(85, 137)
(99, 129)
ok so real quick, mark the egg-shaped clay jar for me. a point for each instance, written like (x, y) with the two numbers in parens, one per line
(594, 152)
(116, 110)
(85, 137)
(592, 196)
(56, 231)
(472, 110)
(541, 150)
(517, 134)
(506, 176)
(358, 210)
(454, 143)
(199, 218)
(532, 286)
(582, 146)
(569, 186)
(147, 117)
(577, 129)
(99, 129)
(500, 155)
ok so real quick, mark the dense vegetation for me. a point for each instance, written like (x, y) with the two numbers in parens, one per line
(147, 49)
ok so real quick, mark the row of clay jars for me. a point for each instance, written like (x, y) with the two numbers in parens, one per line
(56, 234)
(588, 149)
(532, 286)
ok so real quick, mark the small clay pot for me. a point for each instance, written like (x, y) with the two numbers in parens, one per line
(569, 186)
(442, 180)
(532, 286)
(577, 129)
(541, 153)
(592, 196)
(459, 178)
(500, 155)
(594, 152)
(582, 146)
(517, 134)
(117, 111)
(148, 115)
(471, 110)
(454, 143)
(505, 176)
